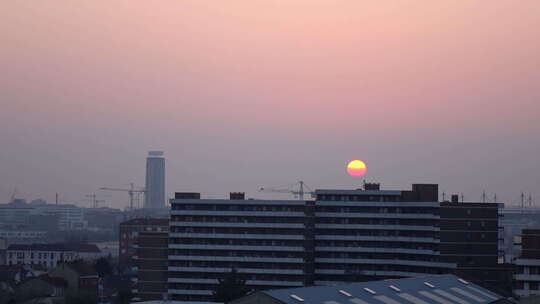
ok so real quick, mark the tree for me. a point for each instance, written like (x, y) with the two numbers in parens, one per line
(231, 287)
(124, 296)
(103, 267)
(81, 299)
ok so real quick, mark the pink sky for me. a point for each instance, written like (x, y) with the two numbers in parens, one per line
(242, 94)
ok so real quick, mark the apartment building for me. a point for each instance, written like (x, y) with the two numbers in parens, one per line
(263, 240)
(369, 233)
(527, 277)
(343, 235)
(472, 238)
(49, 255)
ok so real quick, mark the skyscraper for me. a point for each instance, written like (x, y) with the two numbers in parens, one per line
(155, 180)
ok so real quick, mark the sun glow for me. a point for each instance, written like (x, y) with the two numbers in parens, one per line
(356, 168)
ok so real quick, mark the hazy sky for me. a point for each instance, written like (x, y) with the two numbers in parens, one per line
(243, 94)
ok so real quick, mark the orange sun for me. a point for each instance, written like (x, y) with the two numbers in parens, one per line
(356, 168)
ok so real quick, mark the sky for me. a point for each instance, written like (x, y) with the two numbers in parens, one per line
(243, 94)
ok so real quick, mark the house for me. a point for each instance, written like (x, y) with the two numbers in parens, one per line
(49, 255)
(433, 289)
(41, 287)
(80, 277)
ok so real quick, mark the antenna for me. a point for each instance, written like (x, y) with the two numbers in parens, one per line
(444, 196)
(462, 197)
(495, 197)
(484, 196)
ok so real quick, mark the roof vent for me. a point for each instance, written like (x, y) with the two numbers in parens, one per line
(463, 281)
(371, 291)
(343, 292)
(394, 288)
(297, 298)
(429, 284)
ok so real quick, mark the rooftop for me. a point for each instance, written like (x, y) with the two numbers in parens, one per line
(147, 221)
(88, 248)
(436, 289)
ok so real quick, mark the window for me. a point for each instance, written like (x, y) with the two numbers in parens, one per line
(533, 285)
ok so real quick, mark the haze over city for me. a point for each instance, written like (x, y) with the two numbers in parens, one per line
(244, 94)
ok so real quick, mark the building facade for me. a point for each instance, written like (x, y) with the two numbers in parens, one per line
(262, 240)
(155, 181)
(128, 236)
(49, 255)
(471, 237)
(344, 235)
(151, 265)
(527, 277)
(377, 234)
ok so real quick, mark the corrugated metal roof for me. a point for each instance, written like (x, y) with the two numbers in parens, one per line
(447, 289)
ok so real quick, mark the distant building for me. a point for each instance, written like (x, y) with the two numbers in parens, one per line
(342, 236)
(129, 232)
(48, 217)
(155, 180)
(19, 235)
(527, 277)
(471, 237)
(434, 289)
(104, 219)
(49, 255)
(71, 217)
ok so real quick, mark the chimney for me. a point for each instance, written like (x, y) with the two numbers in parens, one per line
(372, 186)
(237, 196)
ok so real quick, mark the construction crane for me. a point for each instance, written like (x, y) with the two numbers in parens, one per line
(297, 189)
(94, 200)
(132, 191)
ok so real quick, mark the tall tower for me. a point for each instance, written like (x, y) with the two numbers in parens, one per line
(155, 180)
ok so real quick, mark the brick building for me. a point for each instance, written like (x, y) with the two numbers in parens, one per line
(128, 234)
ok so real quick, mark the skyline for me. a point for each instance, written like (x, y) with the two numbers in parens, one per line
(263, 93)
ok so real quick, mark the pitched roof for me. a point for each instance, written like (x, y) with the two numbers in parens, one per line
(55, 281)
(86, 248)
(79, 266)
(434, 289)
(38, 247)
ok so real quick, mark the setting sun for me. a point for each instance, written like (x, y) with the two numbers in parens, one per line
(356, 168)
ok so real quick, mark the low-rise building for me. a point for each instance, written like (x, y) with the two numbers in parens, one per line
(80, 276)
(49, 255)
(41, 287)
(434, 289)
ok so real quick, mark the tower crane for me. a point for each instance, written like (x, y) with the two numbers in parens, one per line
(130, 191)
(94, 200)
(297, 189)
